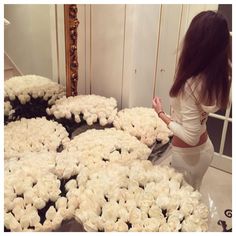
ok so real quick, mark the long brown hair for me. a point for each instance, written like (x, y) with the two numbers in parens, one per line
(205, 55)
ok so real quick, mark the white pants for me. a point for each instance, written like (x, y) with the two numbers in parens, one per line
(193, 162)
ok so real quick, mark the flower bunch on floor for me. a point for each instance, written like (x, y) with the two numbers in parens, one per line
(33, 196)
(144, 124)
(33, 135)
(138, 196)
(30, 95)
(91, 108)
(108, 145)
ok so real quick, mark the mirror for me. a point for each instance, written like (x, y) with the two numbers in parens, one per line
(41, 39)
(28, 38)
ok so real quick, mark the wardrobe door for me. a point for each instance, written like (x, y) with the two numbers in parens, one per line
(107, 46)
(146, 36)
(167, 51)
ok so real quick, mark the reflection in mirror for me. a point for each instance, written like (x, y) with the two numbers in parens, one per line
(34, 60)
(28, 39)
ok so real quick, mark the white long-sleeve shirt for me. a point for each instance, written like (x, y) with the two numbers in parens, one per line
(189, 117)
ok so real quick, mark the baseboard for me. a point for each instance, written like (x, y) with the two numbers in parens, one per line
(223, 163)
(15, 67)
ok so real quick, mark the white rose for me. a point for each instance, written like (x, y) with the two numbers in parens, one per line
(194, 224)
(164, 228)
(201, 210)
(186, 208)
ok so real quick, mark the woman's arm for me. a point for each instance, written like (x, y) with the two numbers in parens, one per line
(156, 103)
(189, 131)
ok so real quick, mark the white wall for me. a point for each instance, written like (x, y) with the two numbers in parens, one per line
(28, 38)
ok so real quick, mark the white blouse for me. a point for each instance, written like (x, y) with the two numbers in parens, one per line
(188, 115)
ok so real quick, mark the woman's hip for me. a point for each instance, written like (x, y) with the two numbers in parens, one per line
(195, 155)
(205, 147)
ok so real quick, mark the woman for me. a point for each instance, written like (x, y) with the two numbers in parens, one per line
(201, 86)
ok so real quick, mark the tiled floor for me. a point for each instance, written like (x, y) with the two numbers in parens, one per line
(216, 192)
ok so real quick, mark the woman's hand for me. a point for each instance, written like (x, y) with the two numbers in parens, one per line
(156, 104)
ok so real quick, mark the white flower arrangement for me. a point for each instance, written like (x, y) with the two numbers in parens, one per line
(138, 196)
(102, 179)
(32, 86)
(93, 108)
(67, 164)
(8, 110)
(99, 146)
(117, 196)
(35, 135)
(144, 124)
(32, 195)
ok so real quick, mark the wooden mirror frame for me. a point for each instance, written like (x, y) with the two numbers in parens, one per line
(71, 24)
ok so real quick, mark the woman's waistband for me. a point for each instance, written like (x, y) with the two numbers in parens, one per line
(191, 149)
(177, 142)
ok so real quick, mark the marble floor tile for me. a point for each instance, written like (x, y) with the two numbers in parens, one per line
(216, 192)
